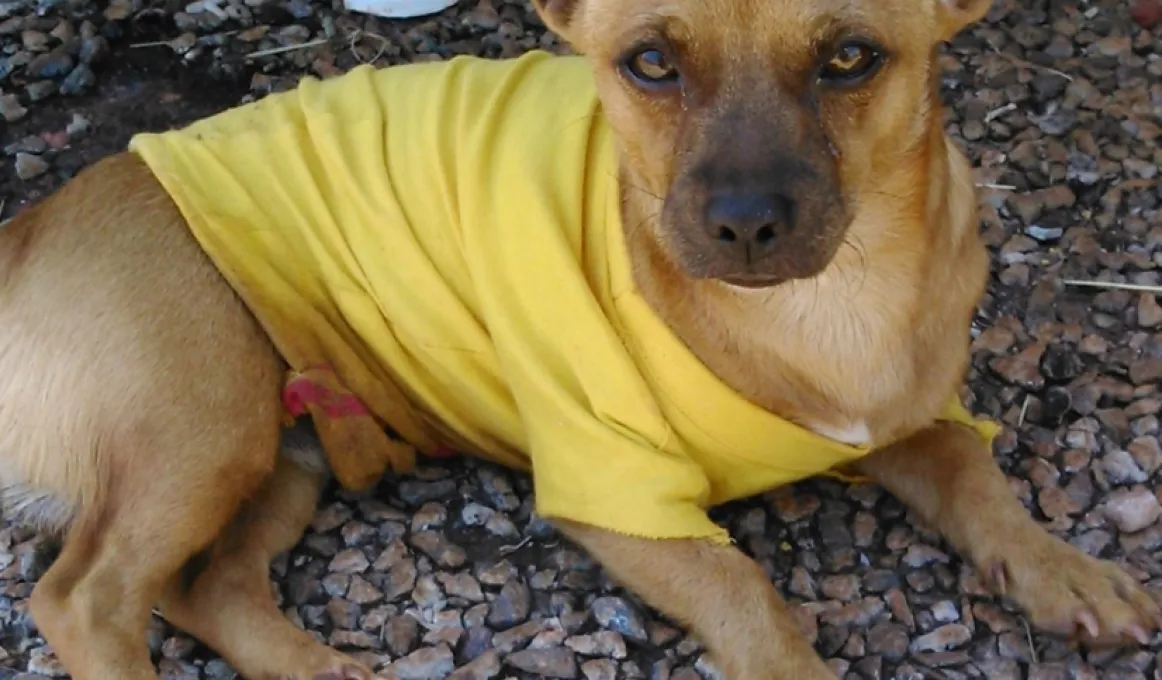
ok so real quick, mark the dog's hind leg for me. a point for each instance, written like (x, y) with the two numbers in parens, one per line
(139, 397)
(93, 604)
(227, 603)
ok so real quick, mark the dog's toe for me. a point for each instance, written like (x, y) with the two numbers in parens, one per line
(1070, 593)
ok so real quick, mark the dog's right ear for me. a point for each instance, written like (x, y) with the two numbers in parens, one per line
(559, 16)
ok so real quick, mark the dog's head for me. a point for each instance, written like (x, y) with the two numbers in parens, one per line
(758, 125)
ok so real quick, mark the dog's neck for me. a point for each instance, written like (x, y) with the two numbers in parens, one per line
(870, 349)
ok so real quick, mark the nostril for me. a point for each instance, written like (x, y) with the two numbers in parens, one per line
(757, 221)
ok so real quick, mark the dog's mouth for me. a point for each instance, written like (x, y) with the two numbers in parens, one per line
(752, 281)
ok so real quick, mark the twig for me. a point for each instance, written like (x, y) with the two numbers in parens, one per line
(1024, 410)
(1140, 287)
(1017, 61)
(287, 48)
(154, 43)
(509, 549)
(1029, 638)
(998, 112)
(998, 187)
(169, 43)
(357, 35)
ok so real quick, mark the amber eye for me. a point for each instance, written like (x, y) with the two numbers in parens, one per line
(852, 63)
(650, 67)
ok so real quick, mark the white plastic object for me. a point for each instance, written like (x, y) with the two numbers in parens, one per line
(398, 9)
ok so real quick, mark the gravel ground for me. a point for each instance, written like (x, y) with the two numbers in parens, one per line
(1060, 106)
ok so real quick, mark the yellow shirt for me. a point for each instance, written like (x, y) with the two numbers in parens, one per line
(447, 236)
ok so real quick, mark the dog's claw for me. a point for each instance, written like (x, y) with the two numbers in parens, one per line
(997, 579)
(1088, 621)
(1139, 633)
(1070, 593)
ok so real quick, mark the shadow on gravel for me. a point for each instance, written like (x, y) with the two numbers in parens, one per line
(139, 89)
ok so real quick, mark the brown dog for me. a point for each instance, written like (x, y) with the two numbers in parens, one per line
(140, 409)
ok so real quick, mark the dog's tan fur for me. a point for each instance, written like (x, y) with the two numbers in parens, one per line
(140, 413)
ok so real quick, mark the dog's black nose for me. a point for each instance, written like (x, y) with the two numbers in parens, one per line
(749, 224)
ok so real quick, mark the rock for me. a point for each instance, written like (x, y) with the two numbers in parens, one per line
(29, 166)
(476, 515)
(554, 662)
(462, 585)
(483, 667)
(435, 545)
(44, 662)
(361, 592)
(429, 663)
(599, 669)
(53, 64)
(949, 636)
(1146, 13)
(1132, 510)
(888, 639)
(350, 561)
(78, 127)
(1021, 369)
(510, 640)
(945, 612)
(40, 90)
(94, 50)
(218, 669)
(511, 606)
(401, 580)
(614, 613)
(416, 493)
(477, 641)
(10, 108)
(1149, 311)
(79, 81)
(1120, 468)
(603, 643)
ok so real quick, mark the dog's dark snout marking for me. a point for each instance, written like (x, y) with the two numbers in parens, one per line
(749, 224)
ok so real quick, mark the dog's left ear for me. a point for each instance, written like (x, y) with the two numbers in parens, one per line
(559, 16)
(955, 15)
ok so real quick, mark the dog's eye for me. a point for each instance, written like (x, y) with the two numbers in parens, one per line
(651, 67)
(852, 63)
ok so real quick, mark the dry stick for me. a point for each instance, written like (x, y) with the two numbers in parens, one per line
(1024, 411)
(1140, 287)
(998, 112)
(358, 35)
(1017, 61)
(1029, 637)
(288, 48)
(169, 43)
(155, 43)
(509, 549)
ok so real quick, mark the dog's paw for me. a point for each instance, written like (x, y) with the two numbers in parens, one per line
(1067, 592)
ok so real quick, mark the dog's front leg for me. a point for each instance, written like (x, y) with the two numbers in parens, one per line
(949, 477)
(719, 593)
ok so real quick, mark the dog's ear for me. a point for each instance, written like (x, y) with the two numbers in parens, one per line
(955, 15)
(559, 16)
